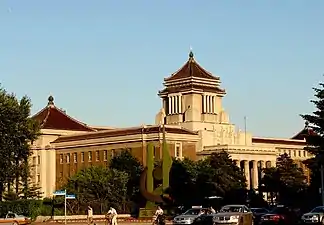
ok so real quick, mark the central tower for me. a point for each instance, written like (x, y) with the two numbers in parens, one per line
(192, 97)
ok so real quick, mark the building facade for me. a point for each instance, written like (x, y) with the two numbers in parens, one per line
(196, 126)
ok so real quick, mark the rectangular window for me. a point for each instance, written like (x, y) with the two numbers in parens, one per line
(34, 160)
(38, 160)
(89, 156)
(68, 158)
(75, 157)
(299, 153)
(113, 153)
(178, 151)
(38, 178)
(304, 153)
(82, 156)
(105, 155)
(61, 158)
(97, 156)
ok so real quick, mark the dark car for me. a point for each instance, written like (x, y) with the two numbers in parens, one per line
(280, 215)
(258, 213)
(205, 219)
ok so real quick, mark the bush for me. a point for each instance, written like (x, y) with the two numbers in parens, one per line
(30, 208)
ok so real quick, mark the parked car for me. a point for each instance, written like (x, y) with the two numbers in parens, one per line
(280, 215)
(204, 219)
(258, 213)
(15, 219)
(234, 214)
(189, 216)
(315, 216)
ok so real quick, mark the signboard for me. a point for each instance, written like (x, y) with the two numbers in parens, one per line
(58, 193)
(146, 213)
(70, 197)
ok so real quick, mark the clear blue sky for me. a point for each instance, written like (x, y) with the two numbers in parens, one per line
(104, 61)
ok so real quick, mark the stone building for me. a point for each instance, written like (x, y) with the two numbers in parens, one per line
(196, 126)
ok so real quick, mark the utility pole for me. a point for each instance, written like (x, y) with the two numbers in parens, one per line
(322, 183)
(245, 129)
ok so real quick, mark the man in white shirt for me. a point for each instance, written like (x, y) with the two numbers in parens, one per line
(90, 215)
(113, 213)
(158, 212)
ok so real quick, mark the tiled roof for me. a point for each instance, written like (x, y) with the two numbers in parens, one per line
(124, 132)
(191, 69)
(52, 117)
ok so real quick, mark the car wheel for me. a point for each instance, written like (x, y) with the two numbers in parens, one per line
(15, 223)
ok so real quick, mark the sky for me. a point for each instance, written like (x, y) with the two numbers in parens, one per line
(104, 61)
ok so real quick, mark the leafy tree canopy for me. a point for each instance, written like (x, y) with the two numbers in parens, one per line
(315, 122)
(17, 131)
(99, 186)
(217, 175)
(127, 163)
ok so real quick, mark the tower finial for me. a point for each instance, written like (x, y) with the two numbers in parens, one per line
(191, 55)
(50, 100)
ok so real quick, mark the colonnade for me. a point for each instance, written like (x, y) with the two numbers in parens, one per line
(208, 102)
(175, 104)
(252, 170)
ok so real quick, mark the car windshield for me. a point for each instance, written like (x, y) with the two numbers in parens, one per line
(318, 210)
(231, 209)
(192, 212)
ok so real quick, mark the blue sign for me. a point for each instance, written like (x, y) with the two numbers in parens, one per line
(59, 193)
(70, 196)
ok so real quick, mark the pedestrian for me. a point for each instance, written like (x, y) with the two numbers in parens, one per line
(90, 215)
(113, 213)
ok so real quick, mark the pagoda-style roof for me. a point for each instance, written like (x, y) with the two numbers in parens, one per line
(191, 69)
(301, 135)
(192, 77)
(54, 118)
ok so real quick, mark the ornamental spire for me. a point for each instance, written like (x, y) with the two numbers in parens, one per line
(191, 55)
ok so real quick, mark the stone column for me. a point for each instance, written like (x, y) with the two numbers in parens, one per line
(213, 107)
(170, 104)
(205, 103)
(273, 164)
(176, 104)
(255, 175)
(247, 173)
(262, 167)
(237, 163)
(180, 103)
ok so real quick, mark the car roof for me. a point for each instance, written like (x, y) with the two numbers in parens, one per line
(233, 205)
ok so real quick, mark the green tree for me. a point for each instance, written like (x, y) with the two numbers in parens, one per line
(183, 176)
(17, 131)
(286, 180)
(315, 138)
(217, 175)
(100, 187)
(127, 163)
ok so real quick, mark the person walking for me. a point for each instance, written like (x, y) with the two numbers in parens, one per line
(90, 215)
(113, 214)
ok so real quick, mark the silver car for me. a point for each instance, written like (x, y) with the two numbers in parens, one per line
(234, 215)
(189, 216)
(315, 216)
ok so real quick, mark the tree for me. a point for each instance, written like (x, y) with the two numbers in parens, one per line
(286, 180)
(17, 131)
(127, 163)
(217, 175)
(315, 140)
(183, 176)
(100, 187)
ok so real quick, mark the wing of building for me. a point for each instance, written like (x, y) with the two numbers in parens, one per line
(196, 126)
